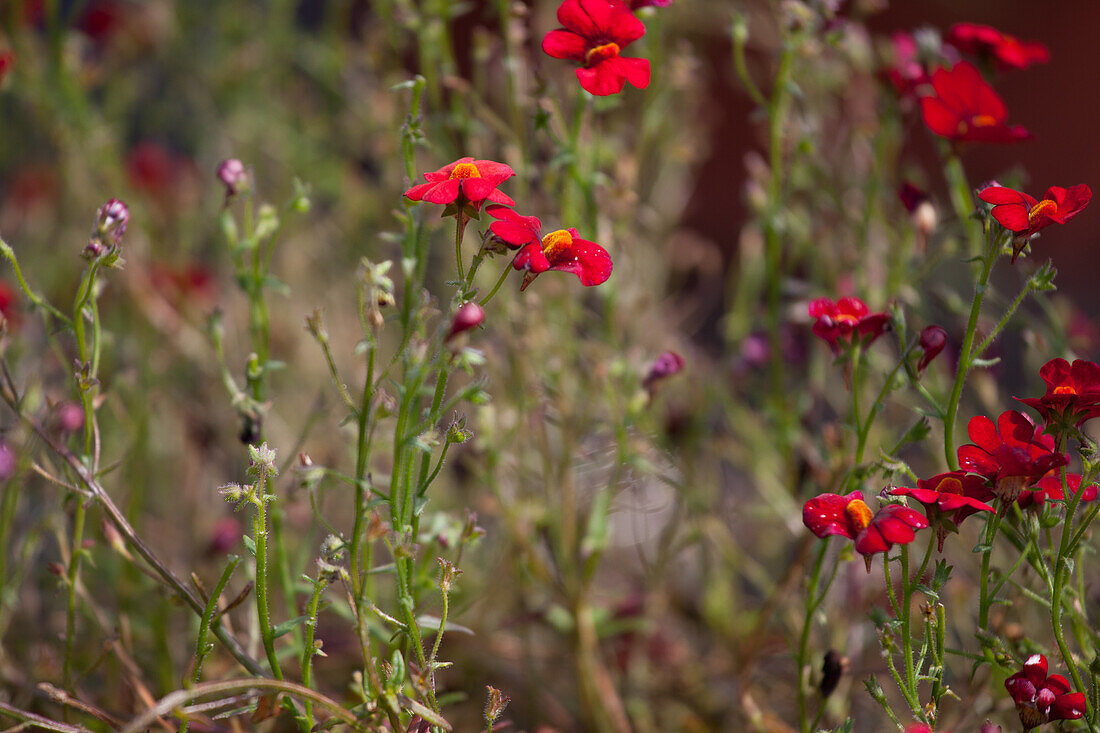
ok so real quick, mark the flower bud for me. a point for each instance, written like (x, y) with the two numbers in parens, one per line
(111, 221)
(494, 706)
(70, 417)
(232, 173)
(469, 315)
(663, 367)
(932, 340)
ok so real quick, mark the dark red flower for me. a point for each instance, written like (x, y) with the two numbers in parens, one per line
(1008, 51)
(1040, 699)
(472, 180)
(1049, 488)
(965, 108)
(1022, 214)
(595, 33)
(948, 499)
(561, 250)
(469, 315)
(635, 4)
(1073, 392)
(101, 19)
(846, 320)
(1013, 454)
(849, 516)
(664, 366)
(932, 341)
(7, 60)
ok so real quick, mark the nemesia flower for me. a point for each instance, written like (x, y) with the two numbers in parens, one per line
(965, 108)
(561, 250)
(1049, 488)
(1040, 699)
(955, 493)
(845, 321)
(932, 340)
(1022, 214)
(1073, 392)
(849, 516)
(595, 32)
(471, 180)
(1013, 454)
(1008, 51)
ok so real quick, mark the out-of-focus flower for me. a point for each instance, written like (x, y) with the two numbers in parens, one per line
(989, 727)
(664, 366)
(7, 305)
(1073, 392)
(948, 499)
(1007, 51)
(595, 32)
(965, 108)
(848, 515)
(190, 285)
(932, 340)
(921, 210)
(101, 19)
(69, 417)
(110, 222)
(7, 461)
(224, 536)
(845, 321)
(561, 250)
(1013, 453)
(469, 315)
(7, 60)
(635, 4)
(1022, 214)
(1040, 699)
(232, 173)
(1049, 488)
(906, 72)
(466, 179)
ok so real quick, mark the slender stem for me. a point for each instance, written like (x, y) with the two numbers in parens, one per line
(308, 650)
(988, 340)
(460, 227)
(263, 609)
(499, 283)
(1060, 572)
(8, 253)
(813, 600)
(906, 624)
(985, 598)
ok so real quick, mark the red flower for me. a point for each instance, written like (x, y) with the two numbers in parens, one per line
(849, 516)
(1008, 51)
(664, 366)
(635, 4)
(846, 320)
(7, 60)
(955, 493)
(1020, 213)
(1049, 488)
(595, 33)
(472, 180)
(562, 250)
(1040, 699)
(1073, 392)
(966, 109)
(907, 73)
(1013, 454)
(932, 341)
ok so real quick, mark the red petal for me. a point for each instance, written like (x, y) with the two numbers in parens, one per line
(416, 193)
(625, 26)
(515, 234)
(1068, 707)
(602, 80)
(531, 258)
(1057, 684)
(941, 119)
(587, 260)
(492, 171)
(1035, 669)
(983, 433)
(589, 18)
(1013, 217)
(825, 514)
(636, 71)
(975, 460)
(1003, 195)
(476, 189)
(563, 44)
(445, 192)
(1016, 428)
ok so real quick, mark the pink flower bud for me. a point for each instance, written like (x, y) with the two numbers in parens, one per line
(70, 417)
(663, 367)
(232, 173)
(111, 221)
(932, 340)
(469, 315)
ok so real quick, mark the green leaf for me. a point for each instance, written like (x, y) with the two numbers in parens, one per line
(250, 545)
(425, 713)
(287, 626)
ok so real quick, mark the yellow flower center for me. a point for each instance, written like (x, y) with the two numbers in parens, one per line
(847, 318)
(1043, 208)
(600, 53)
(950, 485)
(465, 170)
(983, 121)
(555, 241)
(1065, 389)
(859, 513)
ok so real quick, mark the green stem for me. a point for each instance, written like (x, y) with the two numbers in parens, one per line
(813, 600)
(263, 609)
(308, 650)
(988, 340)
(8, 253)
(460, 228)
(1060, 572)
(985, 598)
(500, 281)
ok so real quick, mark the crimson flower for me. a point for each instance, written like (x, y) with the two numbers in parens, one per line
(948, 499)
(1008, 51)
(635, 4)
(1022, 214)
(1073, 392)
(1040, 699)
(849, 516)
(470, 180)
(595, 33)
(561, 250)
(846, 320)
(965, 108)
(1049, 488)
(932, 341)
(7, 60)
(1013, 454)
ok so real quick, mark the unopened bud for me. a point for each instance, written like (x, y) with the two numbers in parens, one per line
(70, 417)
(663, 367)
(495, 705)
(469, 315)
(232, 173)
(448, 574)
(932, 340)
(111, 221)
(989, 727)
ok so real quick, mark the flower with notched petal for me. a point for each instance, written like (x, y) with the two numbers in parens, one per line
(1013, 454)
(1024, 216)
(561, 250)
(471, 181)
(965, 108)
(1008, 51)
(1073, 392)
(595, 32)
(846, 320)
(1040, 699)
(948, 499)
(848, 515)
